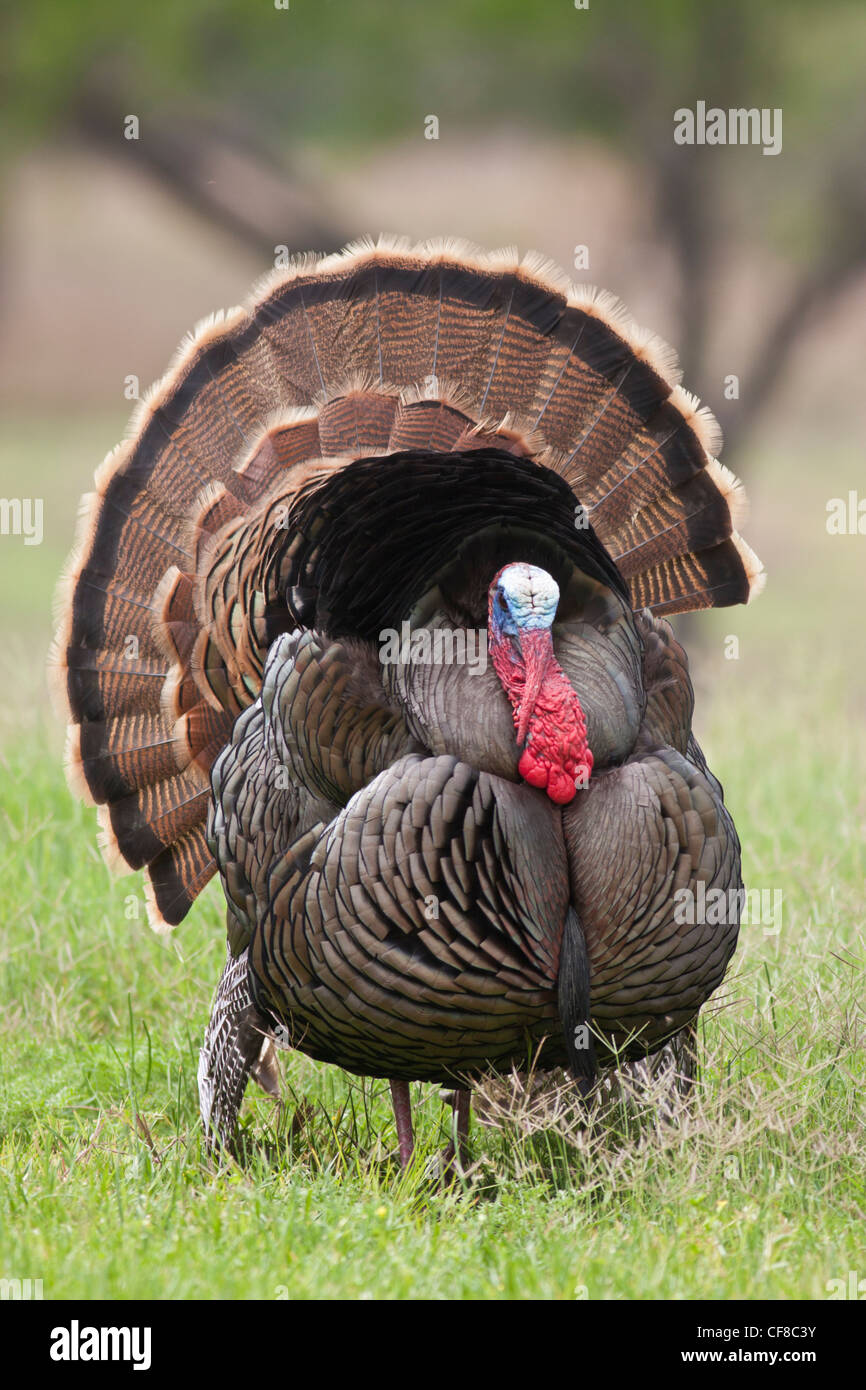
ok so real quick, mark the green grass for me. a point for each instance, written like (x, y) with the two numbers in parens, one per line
(757, 1192)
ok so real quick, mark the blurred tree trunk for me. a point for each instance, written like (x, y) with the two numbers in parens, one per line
(222, 173)
(227, 176)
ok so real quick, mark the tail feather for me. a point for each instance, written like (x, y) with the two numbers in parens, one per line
(176, 876)
(723, 575)
(384, 349)
(357, 423)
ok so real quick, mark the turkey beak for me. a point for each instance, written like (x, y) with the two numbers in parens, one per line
(536, 648)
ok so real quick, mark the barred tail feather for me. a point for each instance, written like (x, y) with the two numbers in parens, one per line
(386, 349)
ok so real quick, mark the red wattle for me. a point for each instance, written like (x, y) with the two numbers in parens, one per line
(557, 757)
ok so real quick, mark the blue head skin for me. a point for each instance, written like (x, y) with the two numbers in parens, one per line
(523, 598)
(522, 603)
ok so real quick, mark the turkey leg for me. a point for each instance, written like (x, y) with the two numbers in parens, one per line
(403, 1116)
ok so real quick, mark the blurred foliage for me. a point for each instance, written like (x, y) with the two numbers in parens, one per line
(343, 73)
(339, 76)
(365, 69)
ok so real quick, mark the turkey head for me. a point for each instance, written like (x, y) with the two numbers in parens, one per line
(551, 728)
(434, 545)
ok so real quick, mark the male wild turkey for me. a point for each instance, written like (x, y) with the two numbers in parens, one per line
(432, 865)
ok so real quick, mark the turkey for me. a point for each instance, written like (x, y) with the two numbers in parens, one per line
(368, 616)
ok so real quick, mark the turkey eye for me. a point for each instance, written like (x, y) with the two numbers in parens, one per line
(502, 604)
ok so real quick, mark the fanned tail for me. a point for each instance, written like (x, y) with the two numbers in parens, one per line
(174, 595)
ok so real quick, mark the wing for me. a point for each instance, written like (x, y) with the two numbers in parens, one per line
(655, 873)
(319, 731)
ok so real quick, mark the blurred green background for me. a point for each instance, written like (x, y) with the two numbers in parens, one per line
(305, 127)
(261, 127)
